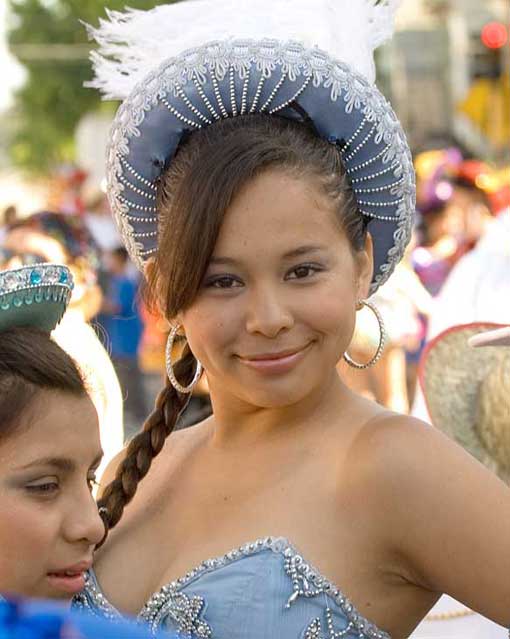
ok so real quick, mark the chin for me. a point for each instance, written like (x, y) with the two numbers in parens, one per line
(278, 396)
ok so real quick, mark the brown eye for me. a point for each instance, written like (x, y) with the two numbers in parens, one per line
(225, 281)
(304, 271)
(43, 489)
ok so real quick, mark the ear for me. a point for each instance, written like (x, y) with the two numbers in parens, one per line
(365, 268)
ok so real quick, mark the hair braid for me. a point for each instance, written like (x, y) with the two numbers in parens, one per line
(146, 445)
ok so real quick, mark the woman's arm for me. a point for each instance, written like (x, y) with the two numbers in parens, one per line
(449, 516)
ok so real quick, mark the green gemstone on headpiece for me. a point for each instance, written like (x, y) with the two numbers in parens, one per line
(63, 279)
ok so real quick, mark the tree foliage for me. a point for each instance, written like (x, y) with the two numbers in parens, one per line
(50, 104)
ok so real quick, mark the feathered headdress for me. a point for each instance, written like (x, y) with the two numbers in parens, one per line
(133, 42)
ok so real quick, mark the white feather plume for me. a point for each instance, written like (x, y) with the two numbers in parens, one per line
(133, 43)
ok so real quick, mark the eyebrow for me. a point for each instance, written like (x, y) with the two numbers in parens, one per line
(63, 464)
(297, 252)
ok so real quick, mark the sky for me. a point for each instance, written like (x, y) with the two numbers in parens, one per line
(12, 72)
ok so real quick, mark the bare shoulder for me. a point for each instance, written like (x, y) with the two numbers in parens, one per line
(390, 443)
(403, 470)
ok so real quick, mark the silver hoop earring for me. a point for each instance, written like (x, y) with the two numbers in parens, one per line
(170, 368)
(382, 339)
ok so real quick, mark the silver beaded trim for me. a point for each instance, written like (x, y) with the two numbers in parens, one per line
(296, 95)
(134, 173)
(379, 189)
(363, 165)
(273, 93)
(191, 106)
(134, 205)
(149, 220)
(38, 276)
(356, 133)
(233, 99)
(363, 143)
(305, 580)
(135, 189)
(381, 205)
(373, 176)
(179, 115)
(211, 63)
(244, 97)
(217, 94)
(205, 99)
(314, 630)
(257, 94)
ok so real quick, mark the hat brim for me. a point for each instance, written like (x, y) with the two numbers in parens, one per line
(34, 296)
(450, 373)
(229, 78)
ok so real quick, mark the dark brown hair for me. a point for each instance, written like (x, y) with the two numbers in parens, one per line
(210, 168)
(30, 361)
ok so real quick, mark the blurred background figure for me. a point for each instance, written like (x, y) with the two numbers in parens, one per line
(121, 319)
(55, 237)
(9, 219)
(99, 221)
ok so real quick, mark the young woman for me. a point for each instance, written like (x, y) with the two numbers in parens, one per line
(262, 230)
(49, 443)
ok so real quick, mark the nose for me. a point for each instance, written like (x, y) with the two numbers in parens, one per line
(268, 312)
(83, 522)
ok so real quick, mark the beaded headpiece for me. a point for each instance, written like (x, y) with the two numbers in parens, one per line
(248, 57)
(34, 296)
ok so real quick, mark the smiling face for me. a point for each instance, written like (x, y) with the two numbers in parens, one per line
(49, 522)
(277, 306)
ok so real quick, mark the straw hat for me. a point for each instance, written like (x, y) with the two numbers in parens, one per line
(467, 391)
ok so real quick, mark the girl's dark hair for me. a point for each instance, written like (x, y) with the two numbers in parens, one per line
(210, 168)
(30, 361)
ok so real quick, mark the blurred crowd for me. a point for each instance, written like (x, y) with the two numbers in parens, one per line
(456, 271)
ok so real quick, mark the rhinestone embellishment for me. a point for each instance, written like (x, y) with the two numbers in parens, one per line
(185, 611)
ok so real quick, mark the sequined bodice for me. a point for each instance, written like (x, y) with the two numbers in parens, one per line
(261, 590)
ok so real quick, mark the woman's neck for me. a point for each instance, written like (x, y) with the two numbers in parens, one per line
(236, 422)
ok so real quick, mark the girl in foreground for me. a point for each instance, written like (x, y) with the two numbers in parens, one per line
(267, 190)
(49, 443)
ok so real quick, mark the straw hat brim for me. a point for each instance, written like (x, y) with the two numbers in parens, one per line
(451, 373)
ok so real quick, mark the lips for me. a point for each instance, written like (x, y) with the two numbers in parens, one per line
(275, 363)
(70, 580)
(272, 356)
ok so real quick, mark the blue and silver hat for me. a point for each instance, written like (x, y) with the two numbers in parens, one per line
(35, 296)
(283, 73)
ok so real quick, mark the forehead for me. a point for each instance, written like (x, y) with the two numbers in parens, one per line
(26, 240)
(277, 210)
(56, 425)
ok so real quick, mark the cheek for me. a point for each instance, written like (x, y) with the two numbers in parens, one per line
(27, 536)
(333, 316)
(210, 329)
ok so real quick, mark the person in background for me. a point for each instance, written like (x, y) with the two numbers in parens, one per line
(53, 237)
(121, 319)
(9, 218)
(99, 222)
(49, 443)
(470, 200)
(439, 246)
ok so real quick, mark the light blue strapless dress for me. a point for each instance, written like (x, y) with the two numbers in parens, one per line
(262, 590)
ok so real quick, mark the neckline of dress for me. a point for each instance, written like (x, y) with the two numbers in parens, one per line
(280, 545)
